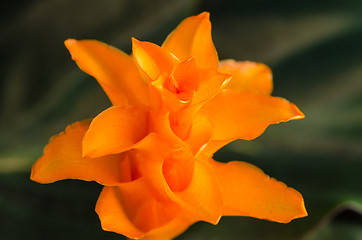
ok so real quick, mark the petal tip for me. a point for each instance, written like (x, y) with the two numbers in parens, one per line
(135, 41)
(69, 42)
(205, 15)
(300, 210)
(88, 152)
(298, 114)
(303, 210)
(32, 174)
(85, 152)
(36, 174)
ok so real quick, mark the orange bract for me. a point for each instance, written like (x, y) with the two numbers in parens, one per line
(173, 107)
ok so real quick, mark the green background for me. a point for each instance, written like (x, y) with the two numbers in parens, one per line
(313, 47)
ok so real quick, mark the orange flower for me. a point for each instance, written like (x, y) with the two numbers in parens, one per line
(173, 107)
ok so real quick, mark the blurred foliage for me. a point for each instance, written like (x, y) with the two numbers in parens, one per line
(313, 47)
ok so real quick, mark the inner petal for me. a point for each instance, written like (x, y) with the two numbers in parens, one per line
(178, 170)
(183, 93)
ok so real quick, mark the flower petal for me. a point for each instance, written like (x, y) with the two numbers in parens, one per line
(193, 38)
(114, 70)
(172, 229)
(188, 182)
(135, 208)
(247, 191)
(113, 214)
(202, 198)
(200, 133)
(212, 146)
(187, 78)
(248, 76)
(163, 98)
(213, 82)
(246, 115)
(115, 130)
(160, 123)
(153, 59)
(62, 159)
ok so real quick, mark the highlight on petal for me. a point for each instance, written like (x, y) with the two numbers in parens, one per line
(248, 76)
(192, 38)
(247, 191)
(212, 146)
(246, 115)
(115, 130)
(114, 70)
(153, 59)
(62, 159)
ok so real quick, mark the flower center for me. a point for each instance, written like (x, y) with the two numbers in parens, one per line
(182, 93)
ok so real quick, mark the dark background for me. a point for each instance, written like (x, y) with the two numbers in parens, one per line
(313, 47)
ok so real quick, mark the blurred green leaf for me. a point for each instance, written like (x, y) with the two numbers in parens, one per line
(343, 222)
